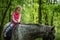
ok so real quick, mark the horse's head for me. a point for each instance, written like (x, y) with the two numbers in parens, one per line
(50, 32)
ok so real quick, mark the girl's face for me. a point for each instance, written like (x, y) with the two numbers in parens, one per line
(18, 10)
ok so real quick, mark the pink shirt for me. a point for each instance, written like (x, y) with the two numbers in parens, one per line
(16, 17)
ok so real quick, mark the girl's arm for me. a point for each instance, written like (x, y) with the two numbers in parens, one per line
(19, 18)
(14, 19)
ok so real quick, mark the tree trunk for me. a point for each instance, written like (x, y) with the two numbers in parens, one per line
(40, 14)
(9, 14)
(52, 18)
(46, 19)
(4, 18)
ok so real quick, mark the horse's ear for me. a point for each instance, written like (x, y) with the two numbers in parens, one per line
(53, 28)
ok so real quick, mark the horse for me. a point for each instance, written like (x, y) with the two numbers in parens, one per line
(33, 31)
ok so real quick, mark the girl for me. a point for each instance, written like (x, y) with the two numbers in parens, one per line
(14, 21)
